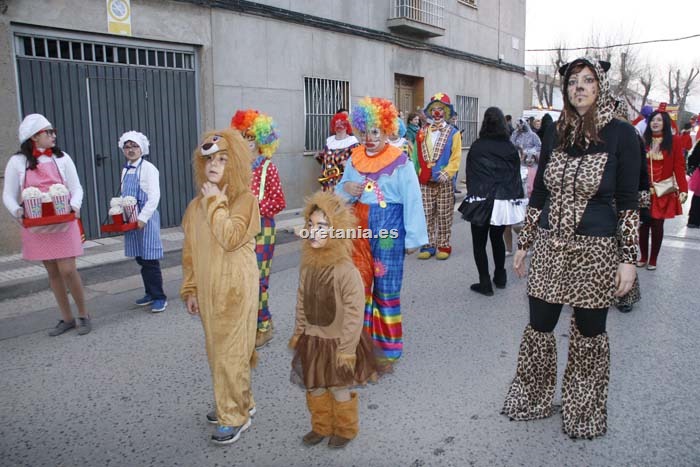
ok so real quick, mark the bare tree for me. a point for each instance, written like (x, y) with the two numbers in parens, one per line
(541, 87)
(680, 85)
(547, 77)
(646, 80)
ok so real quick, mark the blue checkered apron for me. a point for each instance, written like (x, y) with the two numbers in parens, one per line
(145, 242)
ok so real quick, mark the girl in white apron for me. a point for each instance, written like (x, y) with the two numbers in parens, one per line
(140, 179)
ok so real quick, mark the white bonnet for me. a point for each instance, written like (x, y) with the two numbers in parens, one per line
(136, 137)
(31, 125)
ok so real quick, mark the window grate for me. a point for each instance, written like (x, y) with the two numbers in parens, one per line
(96, 52)
(468, 119)
(322, 98)
(430, 12)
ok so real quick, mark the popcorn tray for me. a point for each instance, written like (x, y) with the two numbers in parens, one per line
(48, 220)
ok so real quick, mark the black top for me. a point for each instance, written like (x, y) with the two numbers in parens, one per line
(694, 158)
(493, 170)
(617, 182)
(643, 172)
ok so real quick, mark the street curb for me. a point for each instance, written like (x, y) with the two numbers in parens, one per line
(94, 274)
(23, 287)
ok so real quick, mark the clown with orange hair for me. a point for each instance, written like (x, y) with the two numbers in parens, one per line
(381, 182)
(336, 152)
(439, 153)
(263, 139)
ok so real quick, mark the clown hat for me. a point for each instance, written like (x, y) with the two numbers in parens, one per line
(443, 100)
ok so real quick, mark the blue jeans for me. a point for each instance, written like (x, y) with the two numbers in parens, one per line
(152, 278)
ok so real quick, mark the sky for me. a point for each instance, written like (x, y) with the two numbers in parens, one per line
(550, 22)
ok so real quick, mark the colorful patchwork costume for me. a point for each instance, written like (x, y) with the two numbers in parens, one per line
(263, 138)
(335, 153)
(390, 200)
(439, 154)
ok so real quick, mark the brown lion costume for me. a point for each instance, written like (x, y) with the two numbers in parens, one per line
(331, 349)
(220, 269)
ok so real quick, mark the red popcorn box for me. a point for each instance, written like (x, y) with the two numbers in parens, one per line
(32, 208)
(130, 213)
(61, 204)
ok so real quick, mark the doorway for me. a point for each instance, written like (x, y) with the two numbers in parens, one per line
(408, 93)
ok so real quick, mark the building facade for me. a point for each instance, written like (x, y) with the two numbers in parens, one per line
(188, 65)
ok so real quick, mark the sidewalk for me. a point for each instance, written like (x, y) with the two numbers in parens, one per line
(19, 277)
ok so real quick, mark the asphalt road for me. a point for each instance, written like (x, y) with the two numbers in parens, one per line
(135, 391)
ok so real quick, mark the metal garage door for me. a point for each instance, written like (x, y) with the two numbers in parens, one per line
(93, 92)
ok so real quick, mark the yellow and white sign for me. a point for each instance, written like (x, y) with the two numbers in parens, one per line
(119, 17)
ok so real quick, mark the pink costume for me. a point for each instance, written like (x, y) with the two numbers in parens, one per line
(55, 245)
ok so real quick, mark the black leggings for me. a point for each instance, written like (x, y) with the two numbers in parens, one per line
(544, 316)
(694, 214)
(480, 234)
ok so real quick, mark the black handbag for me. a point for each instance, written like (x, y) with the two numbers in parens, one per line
(478, 212)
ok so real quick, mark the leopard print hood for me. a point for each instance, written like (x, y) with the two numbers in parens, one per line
(570, 122)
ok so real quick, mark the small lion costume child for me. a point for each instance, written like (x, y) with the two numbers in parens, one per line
(332, 351)
(220, 269)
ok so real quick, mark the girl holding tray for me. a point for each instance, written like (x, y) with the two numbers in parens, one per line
(40, 164)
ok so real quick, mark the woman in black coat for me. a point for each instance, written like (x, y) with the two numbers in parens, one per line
(495, 196)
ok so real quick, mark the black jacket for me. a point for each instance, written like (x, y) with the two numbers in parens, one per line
(493, 170)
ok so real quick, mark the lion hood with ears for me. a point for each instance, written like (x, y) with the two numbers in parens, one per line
(237, 172)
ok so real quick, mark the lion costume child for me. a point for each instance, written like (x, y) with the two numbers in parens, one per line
(220, 276)
(332, 353)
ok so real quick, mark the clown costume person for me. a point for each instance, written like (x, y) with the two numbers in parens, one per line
(336, 152)
(220, 275)
(140, 179)
(381, 182)
(439, 153)
(263, 139)
(400, 141)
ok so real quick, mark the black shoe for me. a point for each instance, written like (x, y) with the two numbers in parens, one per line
(500, 278)
(693, 226)
(482, 289)
(624, 308)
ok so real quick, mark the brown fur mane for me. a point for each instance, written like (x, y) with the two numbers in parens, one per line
(237, 172)
(340, 217)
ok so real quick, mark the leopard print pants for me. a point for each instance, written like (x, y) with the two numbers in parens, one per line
(532, 390)
(585, 386)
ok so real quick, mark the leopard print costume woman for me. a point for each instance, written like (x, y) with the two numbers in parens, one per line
(582, 223)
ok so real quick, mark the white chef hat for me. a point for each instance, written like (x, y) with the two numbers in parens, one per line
(136, 137)
(31, 125)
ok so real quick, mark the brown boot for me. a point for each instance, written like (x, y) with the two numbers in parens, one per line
(346, 422)
(321, 409)
(262, 338)
(531, 393)
(584, 391)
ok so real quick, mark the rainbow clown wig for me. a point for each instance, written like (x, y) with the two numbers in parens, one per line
(261, 127)
(375, 112)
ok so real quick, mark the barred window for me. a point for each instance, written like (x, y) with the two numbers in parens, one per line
(86, 51)
(468, 118)
(322, 98)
